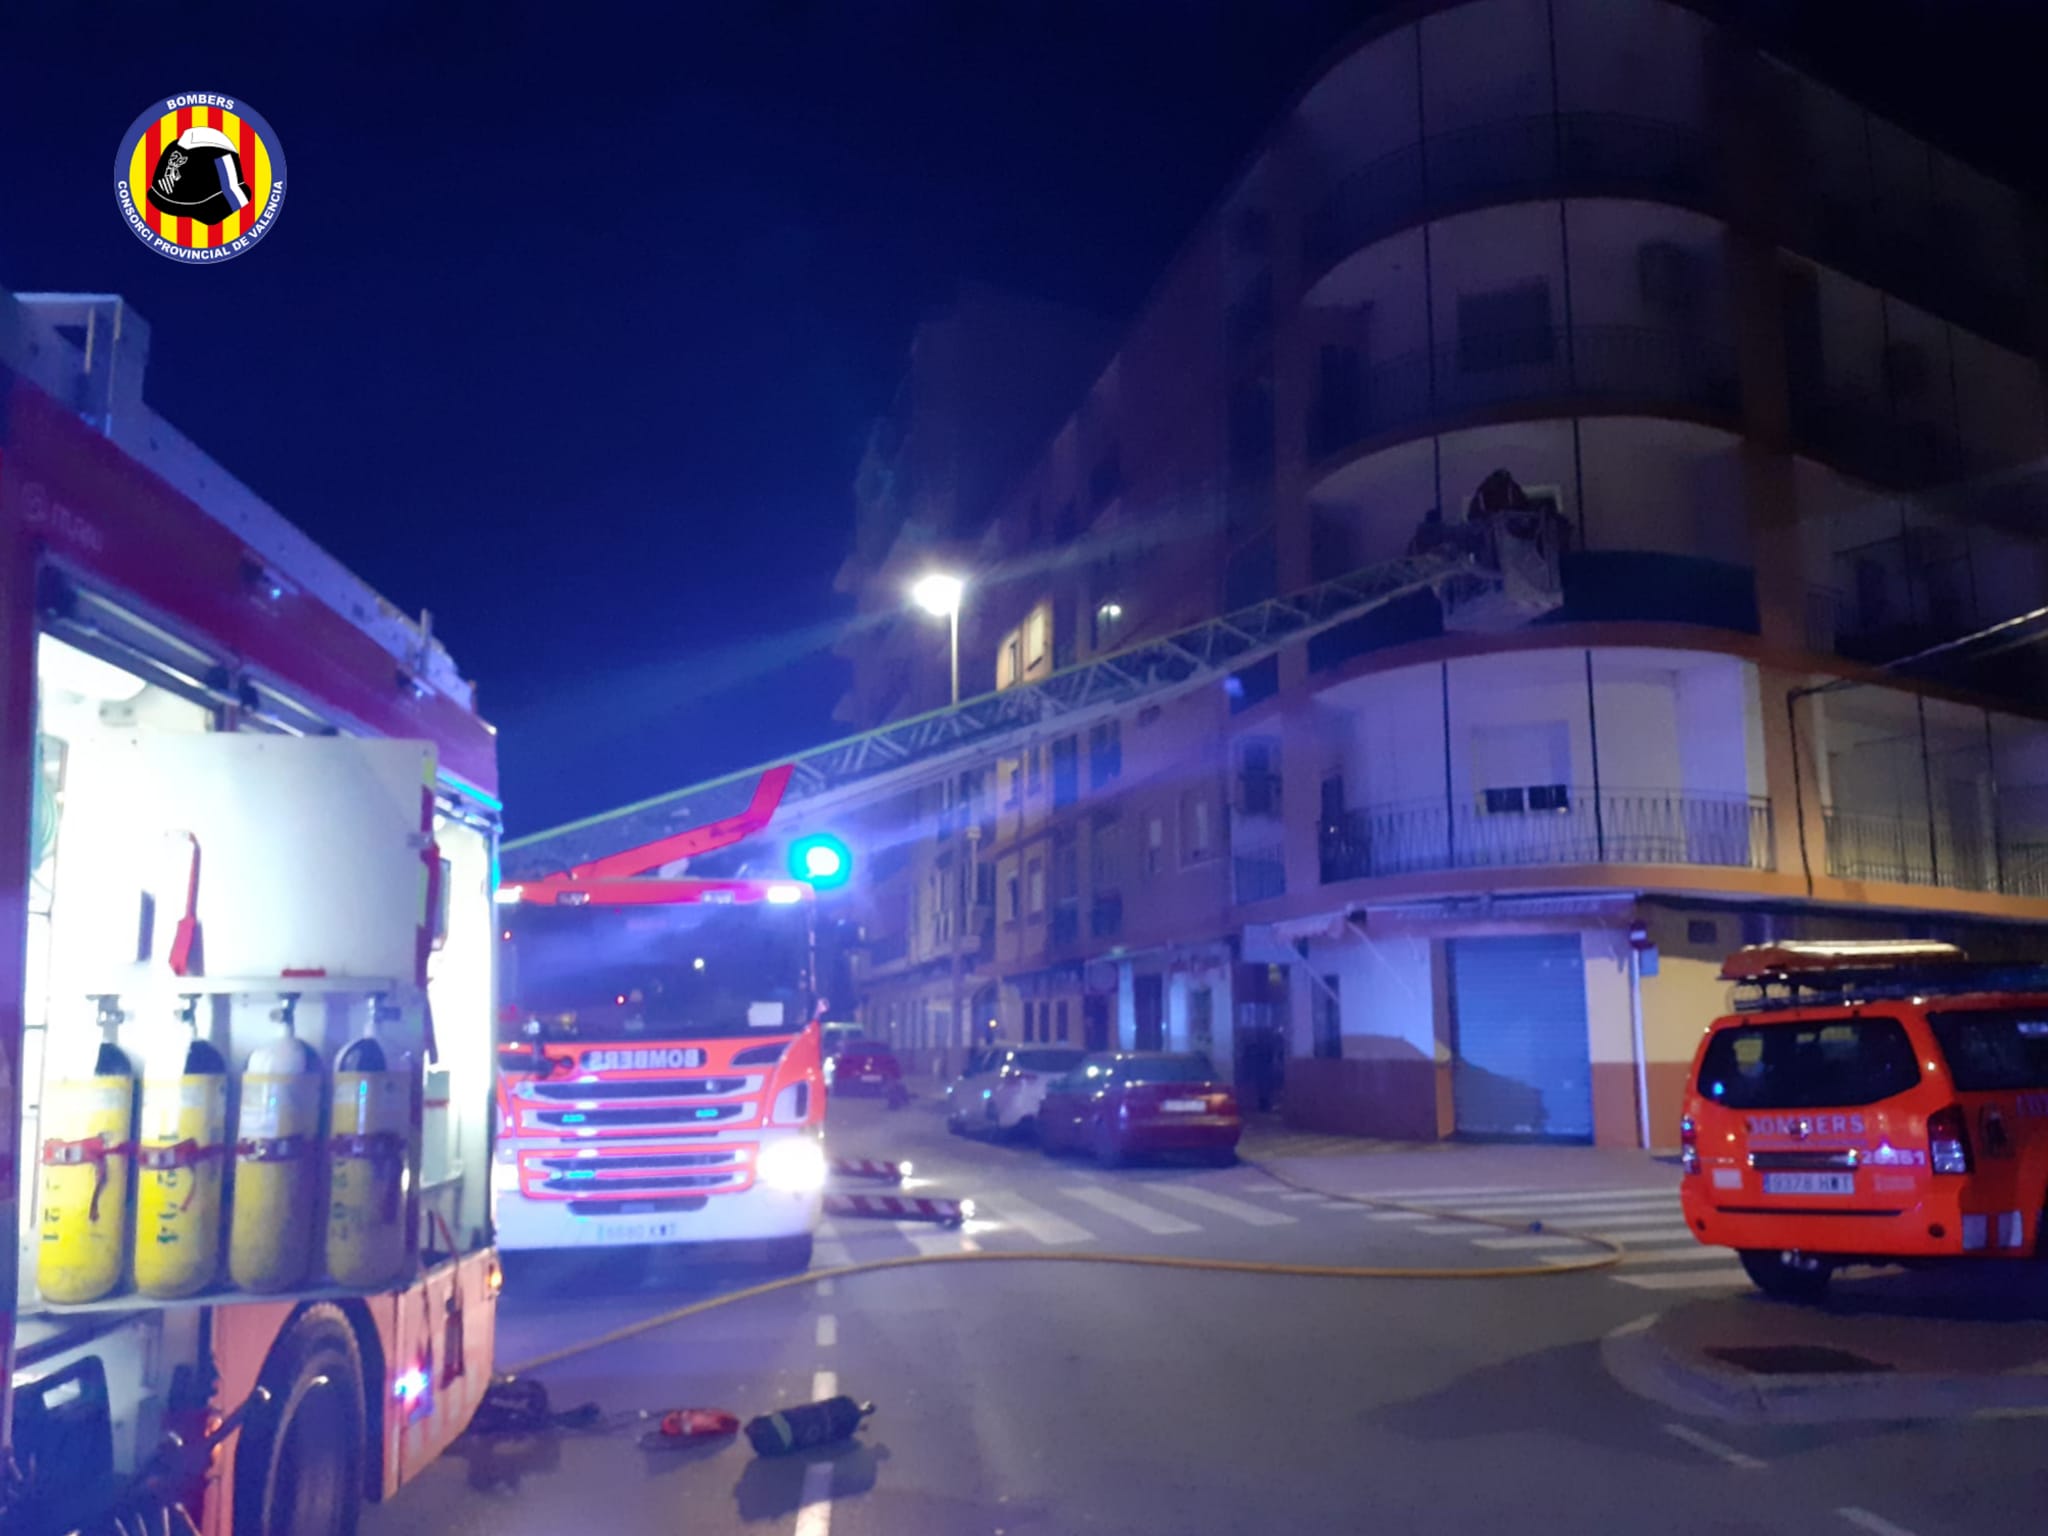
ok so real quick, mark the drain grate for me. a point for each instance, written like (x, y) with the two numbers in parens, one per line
(1797, 1360)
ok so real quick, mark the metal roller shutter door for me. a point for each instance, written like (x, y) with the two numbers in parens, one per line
(1523, 1064)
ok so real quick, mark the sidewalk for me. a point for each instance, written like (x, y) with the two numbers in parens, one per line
(1355, 1165)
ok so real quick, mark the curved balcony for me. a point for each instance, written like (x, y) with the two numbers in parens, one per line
(1593, 154)
(1903, 850)
(1613, 367)
(1612, 826)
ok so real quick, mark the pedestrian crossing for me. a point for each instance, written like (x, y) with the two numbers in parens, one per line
(1522, 1224)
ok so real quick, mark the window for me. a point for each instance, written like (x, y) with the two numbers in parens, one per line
(1029, 1015)
(1994, 1050)
(1066, 868)
(1329, 1020)
(1015, 889)
(1105, 863)
(1012, 669)
(1258, 777)
(1507, 328)
(1037, 886)
(1166, 1069)
(1194, 828)
(1105, 753)
(1033, 759)
(1060, 1016)
(1066, 771)
(1836, 1064)
(1555, 798)
(1039, 629)
(1011, 771)
(1155, 845)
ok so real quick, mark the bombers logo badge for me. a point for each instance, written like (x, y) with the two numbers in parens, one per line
(199, 177)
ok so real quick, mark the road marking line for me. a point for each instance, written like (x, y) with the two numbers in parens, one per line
(825, 1287)
(1451, 1228)
(1684, 1280)
(1455, 1192)
(824, 1384)
(828, 1330)
(1655, 1205)
(1159, 1223)
(1035, 1221)
(1517, 1244)
(1609, 1226)
(943, 1242)
(814, 1518)
(1300, 1194)
(1711, 1446)
(1223, 1205)
(1580, 1197)
(1865, 1520)
(831, 1254)
(1397, 1216)
(1699, 1253)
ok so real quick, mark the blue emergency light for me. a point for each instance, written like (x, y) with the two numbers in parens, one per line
(821, 859)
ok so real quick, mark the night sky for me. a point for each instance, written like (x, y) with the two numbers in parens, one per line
(576, 316)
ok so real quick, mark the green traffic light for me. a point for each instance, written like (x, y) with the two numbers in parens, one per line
(822, 859)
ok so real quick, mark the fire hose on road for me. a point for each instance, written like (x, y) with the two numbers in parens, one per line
(1609, 1254)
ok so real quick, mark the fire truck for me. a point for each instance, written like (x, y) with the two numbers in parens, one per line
(660, 1071)
(248, 843)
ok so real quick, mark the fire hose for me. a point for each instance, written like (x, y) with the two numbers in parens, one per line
(1609, 1254)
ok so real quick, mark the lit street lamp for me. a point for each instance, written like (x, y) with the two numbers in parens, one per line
(939, 595)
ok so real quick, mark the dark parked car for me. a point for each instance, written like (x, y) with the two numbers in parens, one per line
(1141, 1103)
(866, 1067)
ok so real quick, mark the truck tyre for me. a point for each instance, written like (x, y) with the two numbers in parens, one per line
(299, 1462)
(1786, 1275)
(791, 1253)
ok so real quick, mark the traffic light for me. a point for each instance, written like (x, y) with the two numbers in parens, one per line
(822, 859)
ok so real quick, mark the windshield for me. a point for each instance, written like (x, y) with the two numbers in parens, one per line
(1989, 1049)
(1049, 1061)
(1165, 1069)
(1813, 1065)
(673, 972)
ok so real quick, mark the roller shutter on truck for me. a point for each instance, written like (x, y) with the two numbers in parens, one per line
(1522, 1063)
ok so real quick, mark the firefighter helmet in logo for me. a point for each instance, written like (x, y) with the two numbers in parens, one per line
(199, 177)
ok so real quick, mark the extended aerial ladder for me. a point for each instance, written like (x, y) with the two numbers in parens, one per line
(1493, 569)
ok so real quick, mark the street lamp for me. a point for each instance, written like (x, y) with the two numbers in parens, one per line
(939, 594)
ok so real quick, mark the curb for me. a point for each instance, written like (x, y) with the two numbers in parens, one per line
(1645, 1364)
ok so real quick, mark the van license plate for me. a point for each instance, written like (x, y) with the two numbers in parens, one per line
(1809, 1183)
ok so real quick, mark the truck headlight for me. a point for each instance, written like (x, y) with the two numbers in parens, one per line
(796, 1165)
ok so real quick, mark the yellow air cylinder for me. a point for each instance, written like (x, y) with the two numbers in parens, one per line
(179, 1173)
(271, 1223)
(86, 1156)
(367, 1162)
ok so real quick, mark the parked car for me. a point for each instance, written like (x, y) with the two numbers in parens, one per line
(866, 1067)
(1141, 1103)
(1869, 1103)
(1002, 1087)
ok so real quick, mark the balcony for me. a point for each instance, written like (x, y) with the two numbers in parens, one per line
(1584, 153)
(1911, 850)
(1611, 827)
(1626, 366)
(887, 949)
(1858, 432)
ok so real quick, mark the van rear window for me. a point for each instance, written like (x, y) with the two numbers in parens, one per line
(1832, 1063)
(1989, 1049)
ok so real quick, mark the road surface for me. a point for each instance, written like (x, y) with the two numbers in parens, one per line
(1084, 1400)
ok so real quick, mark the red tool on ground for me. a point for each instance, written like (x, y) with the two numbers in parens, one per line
(947, 1213)
(690, 1426)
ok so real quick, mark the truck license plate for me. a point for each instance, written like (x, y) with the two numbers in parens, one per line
(1809, 1183)
(638, 1232)
(1184, 1106)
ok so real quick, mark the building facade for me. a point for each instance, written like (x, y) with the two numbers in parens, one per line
(1776, 366)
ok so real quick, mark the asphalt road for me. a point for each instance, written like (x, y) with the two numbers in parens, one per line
(1083, 1400)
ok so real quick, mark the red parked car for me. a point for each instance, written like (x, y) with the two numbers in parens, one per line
(1140, 1103)
(866, 1067)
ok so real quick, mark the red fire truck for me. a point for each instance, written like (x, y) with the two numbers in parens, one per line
(661, 1074)
(248, 841)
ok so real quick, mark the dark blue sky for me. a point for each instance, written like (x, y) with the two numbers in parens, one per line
(576, 315)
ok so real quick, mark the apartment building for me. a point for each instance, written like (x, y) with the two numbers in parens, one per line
(1774, 366)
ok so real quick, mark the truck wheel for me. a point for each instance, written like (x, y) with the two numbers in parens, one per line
(1787, 1275)
(299, 1462)
(791, 1253)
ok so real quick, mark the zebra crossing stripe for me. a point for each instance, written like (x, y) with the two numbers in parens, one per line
(1039, 1223)
(1158, 1223)
(1223, 1205)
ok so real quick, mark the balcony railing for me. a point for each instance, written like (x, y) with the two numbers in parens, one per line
(1257, 877)
(1859, 432)
(1921, 850)
(1612, 827)
(1590, 153)
(1632, 365)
